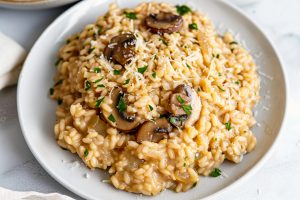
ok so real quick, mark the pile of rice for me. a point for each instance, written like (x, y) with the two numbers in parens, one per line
(221, 72)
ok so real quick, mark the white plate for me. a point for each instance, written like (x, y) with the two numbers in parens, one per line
(37, 111)
(37, 4)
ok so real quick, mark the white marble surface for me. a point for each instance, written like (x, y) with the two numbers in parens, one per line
(277, 179)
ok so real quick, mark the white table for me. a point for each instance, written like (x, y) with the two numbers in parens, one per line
(279, 177)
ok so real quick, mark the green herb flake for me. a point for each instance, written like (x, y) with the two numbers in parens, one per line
(187, 109)
(237, 82)
(111, 118)
(98, 80)
(58, 61)
(199, 90)
(219, 74)
(101, 85)
(86, 153)
(130, 15)
(172, 120)
(51, 91)
(183, 9)
(233, 42)
(188, 66)
(194, 184)
(58, 82)
(68, 41)
(154, 74)
(164, 41)
(87, 85)
(117, 72)
(150, 107)
(97, 70)
(155, 57)
(91, 50)
(184, 164)
(126, 82)
(180, 99)
(215, 172)
(59, 101)
(99, 29)
(221, 89)
(218, 56)
(142, 69)
(228, 126)
(98, 102)
(193, 26)
(215, 139)
(121, 104)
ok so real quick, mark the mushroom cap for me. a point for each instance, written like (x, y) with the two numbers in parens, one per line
(154, 131)
(164, 22)
(121, 122)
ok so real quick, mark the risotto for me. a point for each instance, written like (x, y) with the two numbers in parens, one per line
(155, 96)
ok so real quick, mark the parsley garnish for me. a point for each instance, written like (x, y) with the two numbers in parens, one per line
(154, 74)
(121, 104)
(215, 172)
(237, 82)
(98, 80)
(164, 41)
(173, 120)
(188, 66)
(68, 41)
(194, 184)
(97, 70)
(87, 85)
(150, 107)
(183, 9)
(117, 72)
(142, 69)
(127, 81)
(233, 42)
(130, 15)
(219, 74)
(101, 85)
(51, 91)
(218, 56)
(59, 101)
(58, 61)
(180, 99)
(98, 102)
(228, 126)
(91, 50)
(187, 109)
(58, 82)
(193, 26)
(86, 153)
(221, 89)
(112, 118)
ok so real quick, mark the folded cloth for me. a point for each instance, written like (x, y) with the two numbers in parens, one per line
(6, 194)
(12, 56)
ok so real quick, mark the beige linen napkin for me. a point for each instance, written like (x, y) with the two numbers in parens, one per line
(6, 194)
(12, 56)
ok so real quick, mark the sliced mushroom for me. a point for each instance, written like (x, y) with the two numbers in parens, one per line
(184, 105)
(122, 120)
(97, 124)
(154, 131)
(164, 22)
(121, 48)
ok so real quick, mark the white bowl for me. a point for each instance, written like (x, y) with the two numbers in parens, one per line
(36, 4)
(37, 111)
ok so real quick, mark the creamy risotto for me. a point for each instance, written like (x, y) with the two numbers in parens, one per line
(155, 96)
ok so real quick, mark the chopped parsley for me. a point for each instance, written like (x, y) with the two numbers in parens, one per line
(219, 74)
(101, 85)
(173, 120)
(98, 102)
(111, 118)
(86, 153)
(221, 89)
(154, 74)
(51, 91)
(188, 66)
(193, 26)
(215, 172)
(99, 29)
(68, 41)
(91, 50)
(117, 72)
(142, 69)
(150, 107)
(228, 126)
(164, 41)
(184, 164)
(59, 101)
(218, 56)
(87, 85)
(237, 82)
(121, 104)
(183, 9)
(180, 99)
(130, 15)
(97, 70)
(58, 82)
(98, 80)
(187, 109)
(126, 82)
(58, 61)
(233, 42)
(194, 184)
(155, 57)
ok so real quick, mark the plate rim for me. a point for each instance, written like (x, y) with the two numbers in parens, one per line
(227, 188)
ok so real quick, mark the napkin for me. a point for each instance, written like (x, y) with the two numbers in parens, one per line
(6, 194)
(12, 56)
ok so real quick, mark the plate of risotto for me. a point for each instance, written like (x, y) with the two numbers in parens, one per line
(171, 99)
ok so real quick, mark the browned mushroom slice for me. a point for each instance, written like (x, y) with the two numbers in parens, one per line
(154, 131)
(118, 117)
(185, 106)
(164, 22)
(120, 48)
(97, 124)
